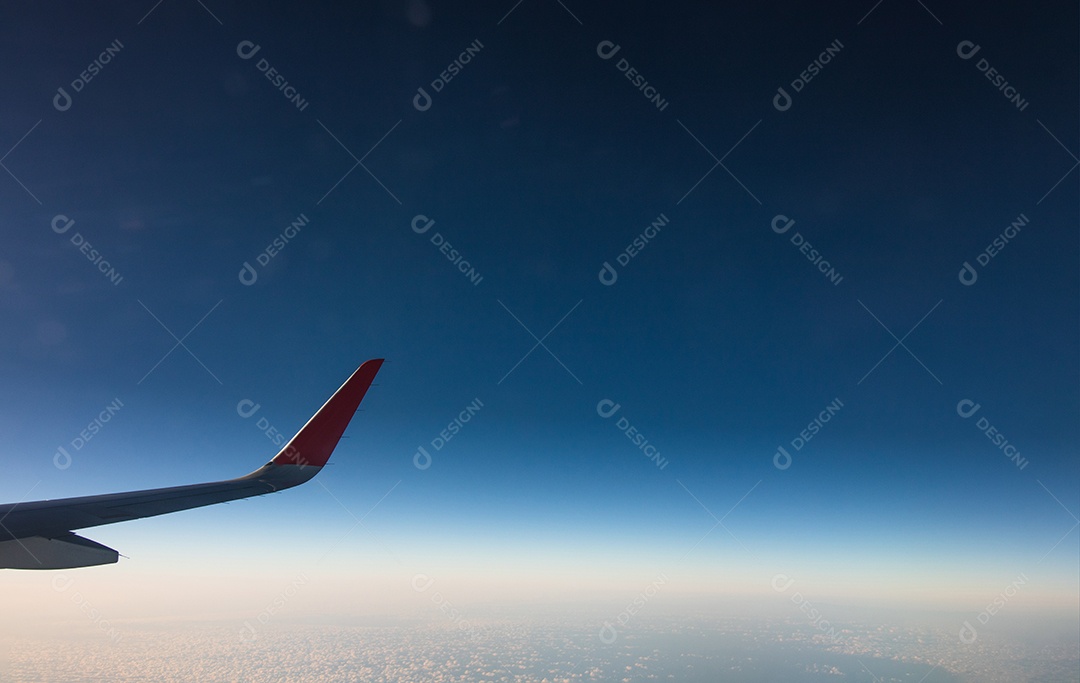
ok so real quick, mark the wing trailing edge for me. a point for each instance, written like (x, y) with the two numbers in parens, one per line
(38, 535)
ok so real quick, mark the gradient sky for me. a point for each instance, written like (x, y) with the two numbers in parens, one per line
(540, 161)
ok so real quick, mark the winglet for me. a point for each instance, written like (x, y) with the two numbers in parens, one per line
(314, 443)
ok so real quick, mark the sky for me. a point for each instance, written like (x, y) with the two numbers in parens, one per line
(715, 294)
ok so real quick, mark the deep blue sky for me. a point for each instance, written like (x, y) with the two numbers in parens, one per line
(539, 162)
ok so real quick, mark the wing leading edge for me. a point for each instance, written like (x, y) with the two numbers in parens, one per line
(39, 535)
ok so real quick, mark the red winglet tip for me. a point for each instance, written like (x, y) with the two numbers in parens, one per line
(314, 443)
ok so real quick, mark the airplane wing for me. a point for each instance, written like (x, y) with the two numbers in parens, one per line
(39, 535)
